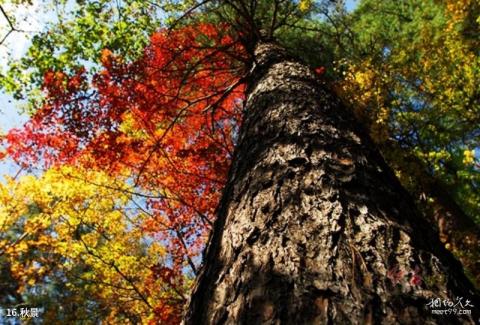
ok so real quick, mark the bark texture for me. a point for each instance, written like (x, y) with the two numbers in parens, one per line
(313, 227)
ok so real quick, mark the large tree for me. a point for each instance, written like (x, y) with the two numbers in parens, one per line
(313, 226)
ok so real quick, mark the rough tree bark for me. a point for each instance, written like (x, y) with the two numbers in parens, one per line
(313, 227)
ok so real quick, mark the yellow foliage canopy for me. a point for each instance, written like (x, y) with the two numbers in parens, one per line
(76, 226)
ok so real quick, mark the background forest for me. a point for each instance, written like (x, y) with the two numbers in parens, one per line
(134, 109)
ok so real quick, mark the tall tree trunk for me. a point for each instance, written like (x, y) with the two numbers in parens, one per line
(313, 227)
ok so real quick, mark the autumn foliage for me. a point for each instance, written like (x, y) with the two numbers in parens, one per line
(130, 155)
(165, 125)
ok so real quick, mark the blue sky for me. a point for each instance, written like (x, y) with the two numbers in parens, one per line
(351, 4)
(29, 19)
